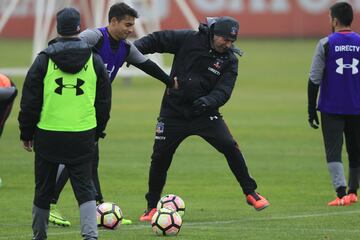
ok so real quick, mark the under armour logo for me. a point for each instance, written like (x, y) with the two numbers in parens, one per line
(79, 83)
(110, 71)
(340, 63)
(213, 117)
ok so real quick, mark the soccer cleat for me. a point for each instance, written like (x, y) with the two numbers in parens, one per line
(56, 218)
(148, 214)
(344, 201)
(353, 197)
(126, 221)
(98, 202)
(257, 201)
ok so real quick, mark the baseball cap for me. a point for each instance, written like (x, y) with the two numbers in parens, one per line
(68, 22)
(227, 27)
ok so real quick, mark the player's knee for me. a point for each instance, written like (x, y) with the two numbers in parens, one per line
(85, 197)
(42, 202)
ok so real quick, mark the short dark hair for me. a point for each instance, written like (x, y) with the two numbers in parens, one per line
(343, 12)
(120, 10)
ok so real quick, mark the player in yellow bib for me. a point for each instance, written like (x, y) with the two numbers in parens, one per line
(65, 107)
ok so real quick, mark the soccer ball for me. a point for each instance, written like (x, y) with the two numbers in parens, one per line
(4, 81)
(166, 222)
(173, 202)
(108, 215)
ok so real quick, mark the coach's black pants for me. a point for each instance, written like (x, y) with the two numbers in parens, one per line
(171, 132)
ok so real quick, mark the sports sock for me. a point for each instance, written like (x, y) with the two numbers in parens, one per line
(336, 171)
(88, 220)
(40, 222)
(341, 191)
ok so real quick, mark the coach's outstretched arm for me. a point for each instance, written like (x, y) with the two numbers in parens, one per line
(168, 41)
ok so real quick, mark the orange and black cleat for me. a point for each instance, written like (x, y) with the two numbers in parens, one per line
(257, 201)
(353, 197)
(344, 201)
(148, 214)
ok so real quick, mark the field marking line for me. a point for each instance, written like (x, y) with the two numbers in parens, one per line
(212, 223)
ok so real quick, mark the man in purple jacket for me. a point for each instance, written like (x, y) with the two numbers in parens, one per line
(335, 69)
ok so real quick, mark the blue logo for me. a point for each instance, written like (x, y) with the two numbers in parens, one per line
(234, 31)
(159, 128)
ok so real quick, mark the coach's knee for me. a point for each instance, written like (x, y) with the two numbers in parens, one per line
(228, 145)
(161, 161)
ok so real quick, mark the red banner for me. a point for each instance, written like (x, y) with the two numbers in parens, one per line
(258, 18)
(264, 18)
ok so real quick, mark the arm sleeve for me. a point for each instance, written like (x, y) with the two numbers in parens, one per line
(168, 41)
(103, 96)
(313, 90)
(135, 56)
(32, 98)
(224, 87)
(91, 36)
(155, 71)
(318, 62)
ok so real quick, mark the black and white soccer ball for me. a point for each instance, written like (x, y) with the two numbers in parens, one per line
(173, 202)
(166, 222)
(108, 215)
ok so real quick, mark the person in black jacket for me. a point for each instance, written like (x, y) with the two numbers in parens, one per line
(206, 69)
(65, 107)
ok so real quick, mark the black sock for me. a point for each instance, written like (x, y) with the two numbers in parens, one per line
(352, 191)
(341, 191)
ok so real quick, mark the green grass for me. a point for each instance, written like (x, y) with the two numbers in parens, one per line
(267, 116)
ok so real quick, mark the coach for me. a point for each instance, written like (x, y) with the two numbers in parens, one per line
(206, 68)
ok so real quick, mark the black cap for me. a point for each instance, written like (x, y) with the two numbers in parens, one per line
(68, 22)
(226, 27)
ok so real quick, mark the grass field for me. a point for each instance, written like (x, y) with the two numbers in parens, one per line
(267, 116)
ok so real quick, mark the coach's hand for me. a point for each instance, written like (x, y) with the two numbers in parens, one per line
(313, 119)
(200, 105)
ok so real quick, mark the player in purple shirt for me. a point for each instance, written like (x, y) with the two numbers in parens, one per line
(335, 70)
(111, 44)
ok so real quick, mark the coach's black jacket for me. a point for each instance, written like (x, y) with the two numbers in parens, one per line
(200, 70)
(70, 55)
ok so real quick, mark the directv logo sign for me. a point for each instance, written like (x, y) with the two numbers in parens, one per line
(347, 48)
